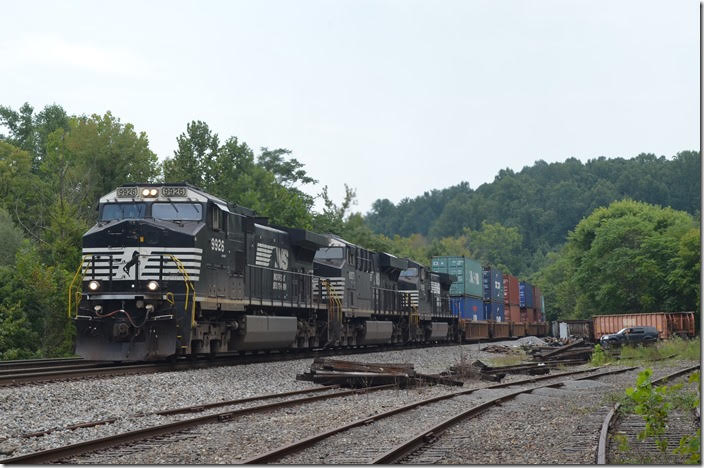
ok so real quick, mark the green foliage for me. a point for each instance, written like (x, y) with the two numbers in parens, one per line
(651, 404)
(266, 184)
(654, 405)
(691, 445)
(496, 245)
(629, 257)
(544, 201)
(10, 239)
(599, 357)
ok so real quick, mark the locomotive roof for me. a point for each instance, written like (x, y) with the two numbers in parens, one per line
(193, 193)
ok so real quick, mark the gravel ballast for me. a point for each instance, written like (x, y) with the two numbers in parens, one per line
(46, 406)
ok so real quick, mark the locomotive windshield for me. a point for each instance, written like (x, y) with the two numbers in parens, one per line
(410, 272)
(330, 253)
(113, 211)
(177, 211)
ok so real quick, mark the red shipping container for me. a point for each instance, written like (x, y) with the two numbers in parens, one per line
(510, 290)
(538, 298)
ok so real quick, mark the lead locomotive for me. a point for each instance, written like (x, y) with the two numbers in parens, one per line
(170, 270)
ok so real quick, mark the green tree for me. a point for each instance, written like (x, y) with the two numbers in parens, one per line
(496, 245)
(627, 258)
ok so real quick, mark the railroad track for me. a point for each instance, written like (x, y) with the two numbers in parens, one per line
(178, 427)
(384, 456)
(33, 363)
(633, 425)
(30, 371)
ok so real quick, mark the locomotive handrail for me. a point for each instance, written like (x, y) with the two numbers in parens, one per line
(80, 271)
(189, 284)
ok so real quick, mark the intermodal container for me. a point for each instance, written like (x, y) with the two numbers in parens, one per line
(467, 271)
(494, 311)
(668, 324)
(537, 298)
(493, 285)
(529, 315)
(511, 290)
(513, 313)
(468, 308)
(525, 294)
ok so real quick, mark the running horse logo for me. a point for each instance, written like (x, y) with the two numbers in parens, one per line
(135, 261)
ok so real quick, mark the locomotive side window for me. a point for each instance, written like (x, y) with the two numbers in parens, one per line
(112, 211)
(215, 217)
(177, 211)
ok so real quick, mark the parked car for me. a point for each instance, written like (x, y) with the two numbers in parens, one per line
(630, 335)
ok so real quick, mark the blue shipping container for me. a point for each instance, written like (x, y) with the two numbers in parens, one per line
(468, 308)
(525, 294)
(493, 285)
(494, 311)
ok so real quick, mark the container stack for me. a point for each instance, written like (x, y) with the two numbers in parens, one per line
(493, 294)
(538, 301)
(512, 308)
(466, 291)
(526, 302)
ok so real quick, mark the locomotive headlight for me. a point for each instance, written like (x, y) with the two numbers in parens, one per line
(145, 192)
(152, 285)
(153, 192)
(93, 285)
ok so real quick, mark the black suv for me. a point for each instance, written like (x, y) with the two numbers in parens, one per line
(630, 335)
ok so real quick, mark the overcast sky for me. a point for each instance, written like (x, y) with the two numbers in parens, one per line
(391, 97)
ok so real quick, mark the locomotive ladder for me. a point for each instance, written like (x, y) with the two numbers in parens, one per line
(334, 315)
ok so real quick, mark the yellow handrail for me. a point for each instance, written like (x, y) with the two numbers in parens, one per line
(334, 302)
(80, 271)
(189, 287)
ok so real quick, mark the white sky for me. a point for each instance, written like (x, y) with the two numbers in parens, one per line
(392, 97)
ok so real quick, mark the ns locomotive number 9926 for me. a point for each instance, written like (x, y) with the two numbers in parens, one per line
(170, 270)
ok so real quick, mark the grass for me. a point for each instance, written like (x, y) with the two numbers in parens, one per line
(508, 359)
(680, 348)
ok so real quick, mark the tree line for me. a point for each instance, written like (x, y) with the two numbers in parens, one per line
(55, 166)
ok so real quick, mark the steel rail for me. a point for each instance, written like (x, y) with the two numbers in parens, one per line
(27, 363)
(300, 444)
(56, 368)
(185, 410)
(36, 377)
(610, 418)
(60, 453)
(429, 435)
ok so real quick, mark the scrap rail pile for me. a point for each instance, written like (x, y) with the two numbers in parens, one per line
(576, 352)
(327, 371)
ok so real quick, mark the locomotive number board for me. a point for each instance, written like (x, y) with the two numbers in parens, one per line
(173, 191)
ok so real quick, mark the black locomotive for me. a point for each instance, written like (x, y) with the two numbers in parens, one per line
(170, 270)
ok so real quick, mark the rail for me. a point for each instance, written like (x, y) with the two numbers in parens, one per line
(277, 453)
(610, 418)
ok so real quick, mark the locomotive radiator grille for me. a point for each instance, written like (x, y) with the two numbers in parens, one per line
(154, 263)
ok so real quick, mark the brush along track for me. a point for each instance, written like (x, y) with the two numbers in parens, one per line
(61, 453)
(455, 402)
(633, 425)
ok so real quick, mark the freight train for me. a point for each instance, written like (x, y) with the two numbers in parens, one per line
(169, 270)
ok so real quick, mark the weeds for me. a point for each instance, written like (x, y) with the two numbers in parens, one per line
(508, 359)
(654, 405)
